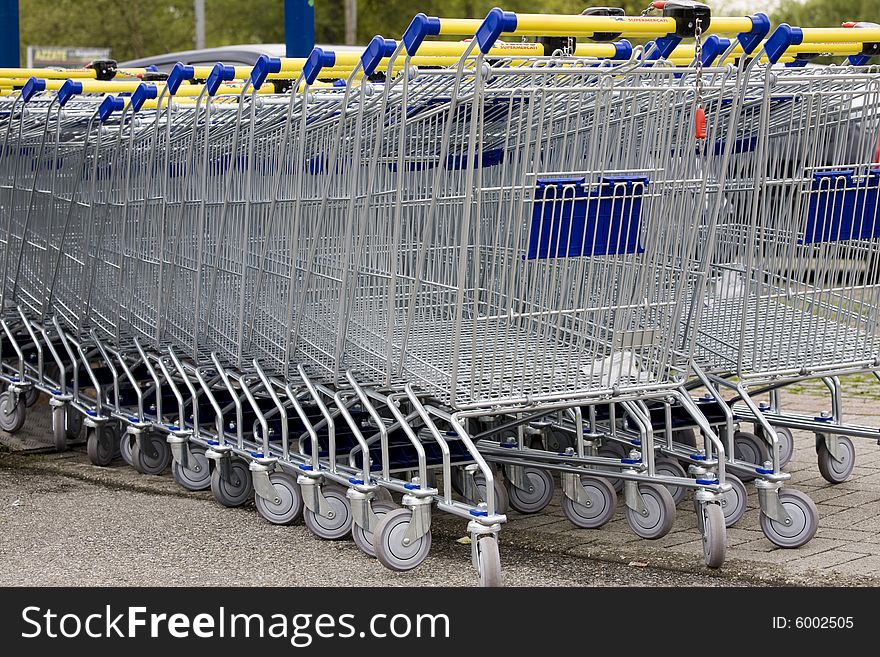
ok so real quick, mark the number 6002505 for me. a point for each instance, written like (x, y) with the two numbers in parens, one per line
(823, 622)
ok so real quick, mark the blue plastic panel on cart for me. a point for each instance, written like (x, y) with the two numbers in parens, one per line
(843, 207)
(568, 221)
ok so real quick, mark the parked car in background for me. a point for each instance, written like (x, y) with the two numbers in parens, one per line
(236, 55)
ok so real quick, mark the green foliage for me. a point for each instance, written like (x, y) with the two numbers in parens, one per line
(827, 13)
(390, 17)
(139, 28)
(131, 28)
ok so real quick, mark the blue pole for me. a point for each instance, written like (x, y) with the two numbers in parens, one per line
(299, 27)
(9, 40)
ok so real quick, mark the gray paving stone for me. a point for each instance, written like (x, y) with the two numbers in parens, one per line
(823, 560)
(865, 566)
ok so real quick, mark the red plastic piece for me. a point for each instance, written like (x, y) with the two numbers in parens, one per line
(700, 123)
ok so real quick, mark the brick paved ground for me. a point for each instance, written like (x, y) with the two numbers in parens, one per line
(846, 548)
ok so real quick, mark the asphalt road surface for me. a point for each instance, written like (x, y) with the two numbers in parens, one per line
(61, 530)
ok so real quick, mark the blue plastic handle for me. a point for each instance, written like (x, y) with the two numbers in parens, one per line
(713, 46)
(421, 26)
(782, 38)
(857, 60)
(68, 90)
(623, 49)
(32, 87)
(663, 47)
(108, 106)
(317, 60)
(752, 39)
(219, 74)
(144, 91)
(264, 66)
(496, 23)
(180, 73)
(375, 52)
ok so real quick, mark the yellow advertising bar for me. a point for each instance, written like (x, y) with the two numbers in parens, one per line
(840, 35)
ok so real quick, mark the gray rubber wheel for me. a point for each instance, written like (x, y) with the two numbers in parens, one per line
(337, 527)
(502, 500)
(238, 490)
(490, 562)
(31, 396)
(836, 472)
(750, 449)
(558, 440)
(287, 507)
(59, 427)
(613, 451)
(384, 495)
(189, 477)
(786, 445)
(456, 477)
(74, 423)
(363, 538)
(151, 463)
(388, 542)
(669, 467)
(125, 444)
(12, 414)
(735, 501)
(536, 499)
(603, 500)
(804, 521)
(659, 515)
(101, 444)
(714, 535)
(687, 437)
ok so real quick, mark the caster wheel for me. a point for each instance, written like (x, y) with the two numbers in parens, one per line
(59, 427)
(12, 414)
(686, 437)
(287, 507)
(502, 500)
(786, 445)
(613, 451)
(735, 501)
(659, 514)
(603, 503)
(151, 464)
(337, 527)
(125, 444)
(804, 520)
(714, 535)
(750, 449)
(489, 559)
(558, 441)
(388, 541)
(667, 467)
(363, 538)
(384, 495)
(101, 444)
(189, 477)
(836, 472)
(536, 499)
(238, 490)
(31, 397)
(74, 423)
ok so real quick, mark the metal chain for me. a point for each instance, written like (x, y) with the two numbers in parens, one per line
(698, 53)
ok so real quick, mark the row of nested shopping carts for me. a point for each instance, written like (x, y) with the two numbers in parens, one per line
(455, 275)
